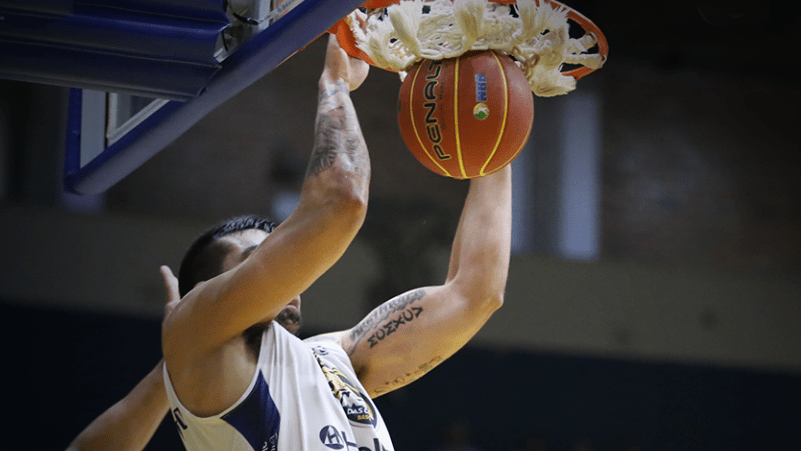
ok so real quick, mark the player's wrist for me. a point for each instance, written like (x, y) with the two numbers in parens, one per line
(332, 87)
(329, 79)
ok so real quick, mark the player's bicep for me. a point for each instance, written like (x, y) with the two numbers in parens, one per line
(406, 337)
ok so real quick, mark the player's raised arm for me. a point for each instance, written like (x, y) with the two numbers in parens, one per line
(330, 212)
(407, 336)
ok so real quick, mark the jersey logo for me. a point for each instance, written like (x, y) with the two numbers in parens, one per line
(334, 439)
(330, 437)
(357, 406)
(179, 422)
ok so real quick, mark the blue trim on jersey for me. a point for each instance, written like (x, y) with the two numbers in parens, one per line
(257, 418)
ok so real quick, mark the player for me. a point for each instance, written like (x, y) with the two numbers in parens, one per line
(236, 378)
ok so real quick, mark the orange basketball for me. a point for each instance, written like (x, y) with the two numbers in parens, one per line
(466, 117)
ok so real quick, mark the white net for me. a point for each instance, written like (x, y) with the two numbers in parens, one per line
(534, 32)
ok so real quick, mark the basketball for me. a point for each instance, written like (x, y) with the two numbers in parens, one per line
(466, 117)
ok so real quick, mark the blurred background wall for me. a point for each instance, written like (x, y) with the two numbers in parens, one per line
(654, 295)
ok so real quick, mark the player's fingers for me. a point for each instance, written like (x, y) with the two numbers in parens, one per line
(358, 71)
(170, 284)
(362, 17)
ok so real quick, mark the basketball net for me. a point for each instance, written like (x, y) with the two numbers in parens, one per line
(534, 32)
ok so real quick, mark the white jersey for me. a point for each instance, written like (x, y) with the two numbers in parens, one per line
(304, 396)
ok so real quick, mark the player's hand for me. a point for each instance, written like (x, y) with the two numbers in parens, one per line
(341, 66)
(173, 296)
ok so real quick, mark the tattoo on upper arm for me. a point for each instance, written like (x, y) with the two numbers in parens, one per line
(386, 319)
(408, 378)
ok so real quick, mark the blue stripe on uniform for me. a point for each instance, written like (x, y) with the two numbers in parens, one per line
(257, 418)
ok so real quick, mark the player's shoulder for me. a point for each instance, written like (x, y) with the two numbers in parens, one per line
(330, 348)
(332, 338)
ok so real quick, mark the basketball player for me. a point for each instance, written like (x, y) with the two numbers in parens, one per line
(236, 376)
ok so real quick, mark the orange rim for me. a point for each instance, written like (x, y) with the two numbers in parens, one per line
(348, 42)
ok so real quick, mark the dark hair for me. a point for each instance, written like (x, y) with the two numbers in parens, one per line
(204, 259)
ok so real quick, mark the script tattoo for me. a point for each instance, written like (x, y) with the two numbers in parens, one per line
(337, 134)
(389, 327)
(385, 320)
(408, 378)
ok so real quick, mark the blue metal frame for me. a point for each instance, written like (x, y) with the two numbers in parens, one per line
(142, 47)
(251, 61)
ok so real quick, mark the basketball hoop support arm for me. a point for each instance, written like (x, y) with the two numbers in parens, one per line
(254, 59)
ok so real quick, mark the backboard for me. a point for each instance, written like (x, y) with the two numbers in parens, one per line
(110, 134)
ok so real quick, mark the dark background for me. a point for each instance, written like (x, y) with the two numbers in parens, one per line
(73, 366)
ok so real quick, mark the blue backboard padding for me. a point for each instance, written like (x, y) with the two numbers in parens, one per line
(198, 10)
(72, 156)
(59, 7)
(209, 10)
(141, 76)
(110, 49)
(251, 61)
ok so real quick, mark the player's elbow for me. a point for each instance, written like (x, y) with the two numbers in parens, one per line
(481, 297)
(352, 200)
(344, 185)
(494, 301)
(339, 194)
(484, 305)
(347, 206)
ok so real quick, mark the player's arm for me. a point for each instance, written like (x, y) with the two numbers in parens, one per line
(130, 423)
(407, 336)
(330, 212)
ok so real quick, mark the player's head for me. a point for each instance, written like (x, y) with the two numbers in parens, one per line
(224, 247)
(205, 258)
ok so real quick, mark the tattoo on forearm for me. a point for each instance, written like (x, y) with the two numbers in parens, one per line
(385, 320)
(408, 378)
(326, 143)
(337, 134)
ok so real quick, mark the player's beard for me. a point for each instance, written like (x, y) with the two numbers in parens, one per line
(290, 319)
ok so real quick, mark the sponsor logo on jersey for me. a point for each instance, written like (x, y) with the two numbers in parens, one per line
(331, 438)
(178, 419)
(271, 444)
(336, 439)
(357, 406)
